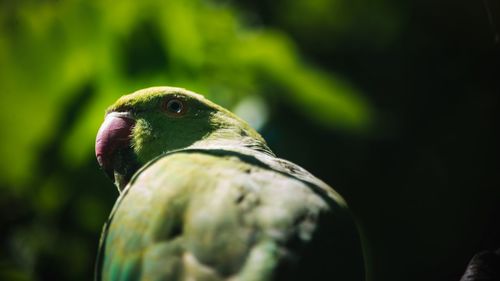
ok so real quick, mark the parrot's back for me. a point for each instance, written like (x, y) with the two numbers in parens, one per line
(225, 215)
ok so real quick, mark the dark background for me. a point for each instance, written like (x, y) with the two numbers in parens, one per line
(394, 103)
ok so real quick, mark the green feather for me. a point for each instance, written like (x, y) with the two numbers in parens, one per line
(212, 202)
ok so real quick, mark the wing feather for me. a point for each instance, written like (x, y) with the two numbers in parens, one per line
(226, 215)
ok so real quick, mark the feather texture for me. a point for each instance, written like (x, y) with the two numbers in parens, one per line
(204, 198)
(220, 214)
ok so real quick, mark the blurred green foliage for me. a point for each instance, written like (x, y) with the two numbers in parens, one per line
(63, 62)
(63, 47)
(393, 102)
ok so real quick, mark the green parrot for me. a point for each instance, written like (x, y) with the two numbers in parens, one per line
(202, 197)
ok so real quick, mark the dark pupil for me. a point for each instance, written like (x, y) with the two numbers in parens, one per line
(174, 106)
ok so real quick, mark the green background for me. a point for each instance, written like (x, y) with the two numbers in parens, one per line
(394, 103)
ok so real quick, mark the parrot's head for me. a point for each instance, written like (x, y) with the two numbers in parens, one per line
(153, 121)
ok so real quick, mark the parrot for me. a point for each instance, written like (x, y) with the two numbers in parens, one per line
(484, 266)
(203, 197)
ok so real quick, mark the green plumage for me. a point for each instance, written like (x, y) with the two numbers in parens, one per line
(225, 208)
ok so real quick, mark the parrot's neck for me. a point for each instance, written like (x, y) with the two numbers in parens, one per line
(232, 133)
(233, 143)
(227, 132)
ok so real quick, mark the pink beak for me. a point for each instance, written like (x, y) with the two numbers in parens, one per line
(113, 134)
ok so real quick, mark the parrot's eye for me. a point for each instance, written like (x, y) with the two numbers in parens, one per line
(174, 107)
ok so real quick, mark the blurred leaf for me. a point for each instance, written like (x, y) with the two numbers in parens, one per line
(198, 45)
